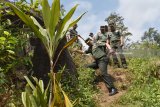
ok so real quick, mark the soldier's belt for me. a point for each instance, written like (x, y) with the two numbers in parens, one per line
(115, 41)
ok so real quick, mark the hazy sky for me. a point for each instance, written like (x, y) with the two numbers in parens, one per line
(138, 15)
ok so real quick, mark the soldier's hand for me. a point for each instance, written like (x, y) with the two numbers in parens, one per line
(121, 44)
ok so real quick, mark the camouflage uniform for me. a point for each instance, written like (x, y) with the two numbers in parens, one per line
(98, 51)
(115, 42)
(72, 33)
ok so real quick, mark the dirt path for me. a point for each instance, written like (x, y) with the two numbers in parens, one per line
(120, 76)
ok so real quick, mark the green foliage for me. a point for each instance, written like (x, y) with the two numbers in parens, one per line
(54, 31)
(144, 90)
(118, 21)
(3, 81)
(86, 87)
(35, 95)
(52, 35)
(83, 88)
(8, 45)
(150, 38)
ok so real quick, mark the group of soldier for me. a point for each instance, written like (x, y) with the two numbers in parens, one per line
(108, 42)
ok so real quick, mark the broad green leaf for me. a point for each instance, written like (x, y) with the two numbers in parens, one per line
(6, 33)
(27, 20)
(36, 80)
(47, 91)
(75, 21)
(28, 89)
(59, 74)
(24, 17)
(42, 31)
(25, 99)
(67, 101)
(33, 102)
(11, 52)
(76, 102)
(29, 82)
(70, 25)
(55, 17)
(36, 22)
(46, 13)
(40, 97)
(70, 42)
(66, 19)
(41, 86)
(31, 1)
(2, 38)
(57, 92)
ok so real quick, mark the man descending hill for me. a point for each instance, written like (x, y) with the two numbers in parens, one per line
(98, 51)
(115, 39)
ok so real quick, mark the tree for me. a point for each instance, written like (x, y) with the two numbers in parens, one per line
(118, 21)
(151, 36)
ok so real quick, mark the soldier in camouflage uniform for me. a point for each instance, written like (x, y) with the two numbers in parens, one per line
(98, 51)
(71, 33)
(115, 39)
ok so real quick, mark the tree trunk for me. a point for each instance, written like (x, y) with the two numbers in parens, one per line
(41, 65)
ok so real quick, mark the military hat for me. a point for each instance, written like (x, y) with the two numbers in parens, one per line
(91, 34)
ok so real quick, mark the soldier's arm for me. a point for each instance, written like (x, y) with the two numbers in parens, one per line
(68, 37)
(108, 44)
(96, 37)
(82, 52)
(79, 51)
(109, 47)
(122, 40)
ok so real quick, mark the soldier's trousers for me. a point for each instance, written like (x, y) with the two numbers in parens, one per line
(102, 65)
(119, 51)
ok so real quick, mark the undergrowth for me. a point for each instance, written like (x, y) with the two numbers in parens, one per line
(144, 90)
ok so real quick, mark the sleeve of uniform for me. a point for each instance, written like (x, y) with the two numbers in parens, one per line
(88, 50)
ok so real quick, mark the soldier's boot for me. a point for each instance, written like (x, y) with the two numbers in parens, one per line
(113, 91)
(117, 65)
(124, 66)
(111, 88)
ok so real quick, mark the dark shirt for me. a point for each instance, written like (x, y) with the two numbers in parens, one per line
(97, 51)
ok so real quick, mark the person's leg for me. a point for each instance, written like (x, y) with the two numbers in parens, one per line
(122, 57)
(105, 76)
(92, 65)
(115, 58)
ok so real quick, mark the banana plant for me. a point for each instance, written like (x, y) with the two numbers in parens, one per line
(54, 29)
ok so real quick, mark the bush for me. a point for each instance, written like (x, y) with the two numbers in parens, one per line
(144, 91)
